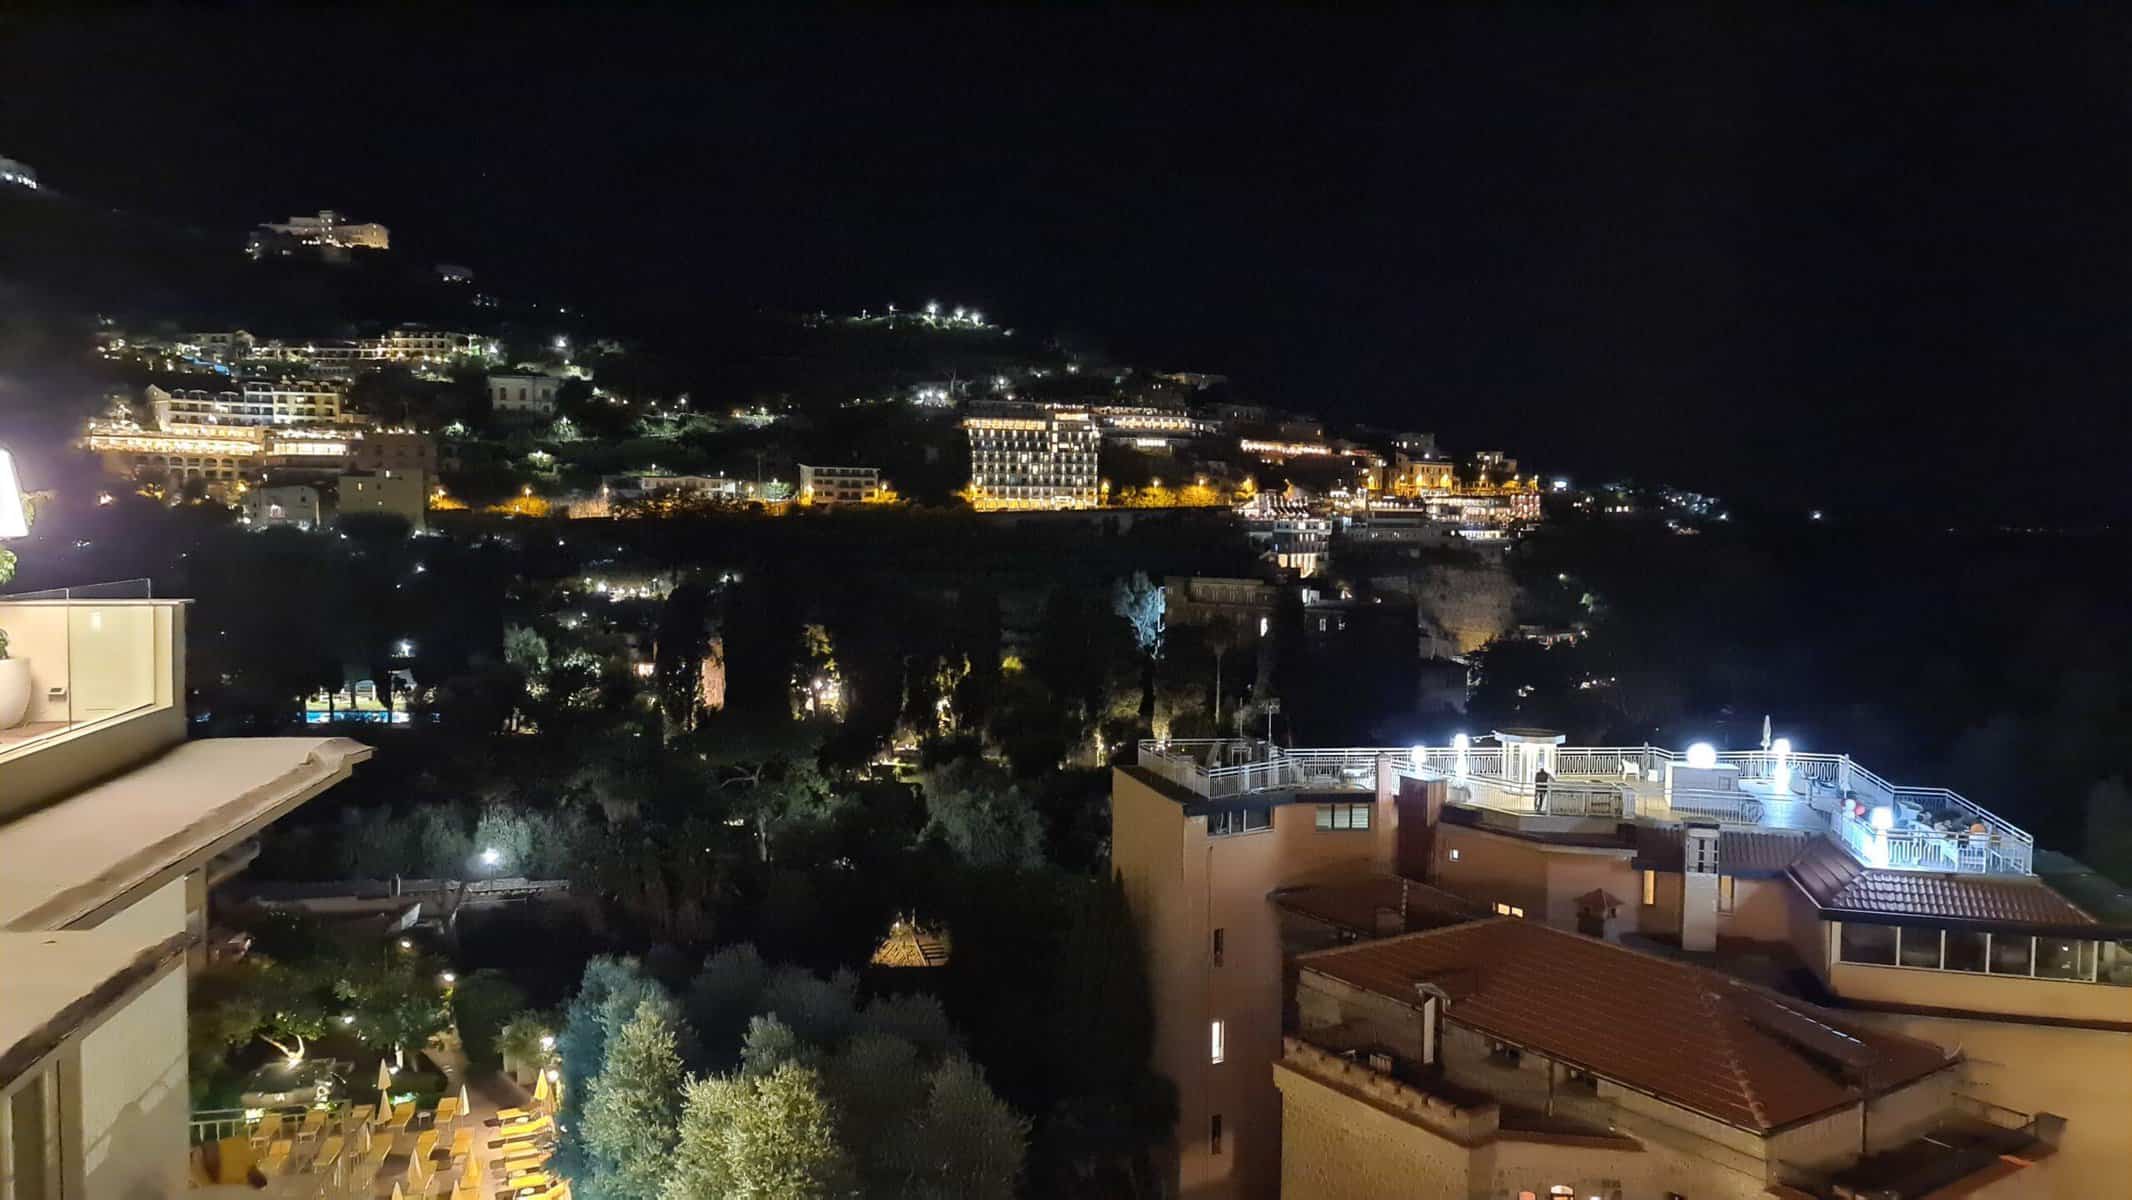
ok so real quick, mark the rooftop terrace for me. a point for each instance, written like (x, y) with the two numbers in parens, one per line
(1530, 775)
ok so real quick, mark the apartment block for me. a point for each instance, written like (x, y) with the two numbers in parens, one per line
(1510, 966)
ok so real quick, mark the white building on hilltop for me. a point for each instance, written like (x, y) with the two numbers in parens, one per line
(18, 173)
(1027, 457)
(831, 486)
(527, 394)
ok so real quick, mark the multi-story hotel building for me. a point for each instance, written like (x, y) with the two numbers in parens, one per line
(1934, 1011)
(262, 402)
(839, 485)
(1028, 457)
(113, 826)
(328, 234)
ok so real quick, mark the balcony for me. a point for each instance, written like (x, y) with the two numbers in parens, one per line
(92, 683)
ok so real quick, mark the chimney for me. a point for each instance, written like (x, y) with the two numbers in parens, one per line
(1698, 893)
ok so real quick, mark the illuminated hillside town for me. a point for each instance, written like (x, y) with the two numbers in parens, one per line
(1009, 605)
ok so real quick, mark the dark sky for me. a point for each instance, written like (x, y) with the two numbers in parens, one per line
(1862, 259)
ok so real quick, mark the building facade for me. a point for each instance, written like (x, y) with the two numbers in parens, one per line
(394, 493)
(262, 402)
(1032, 458)
(112, 827)
(328, 235)
(832, 486)
(401, 450)
(528, 395)
(1916, 910)
(289, 506)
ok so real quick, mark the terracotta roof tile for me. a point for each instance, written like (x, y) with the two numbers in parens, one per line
(1739, 851)
(1354, 905)
(1835, 880)
(1705, 1041)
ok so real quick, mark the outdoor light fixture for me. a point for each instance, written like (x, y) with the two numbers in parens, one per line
(1702, 756)
(14, 515)
(491, 856)
(449, 977)
(407, 943)
(547, 1041)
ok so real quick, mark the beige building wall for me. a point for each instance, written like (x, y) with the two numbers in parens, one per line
(1183, 886)
(124, 1097)
(2083, 1075)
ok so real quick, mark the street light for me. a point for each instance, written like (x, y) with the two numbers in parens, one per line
(491, 856)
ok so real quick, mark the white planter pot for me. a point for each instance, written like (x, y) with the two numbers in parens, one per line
(14, 691)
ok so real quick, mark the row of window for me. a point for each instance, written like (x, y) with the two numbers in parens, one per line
(1983, 953)
(1250, 818)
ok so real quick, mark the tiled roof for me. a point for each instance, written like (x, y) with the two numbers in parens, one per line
(1704, 1041)
(1739, 851)
(1835, 880)
(1354, 905)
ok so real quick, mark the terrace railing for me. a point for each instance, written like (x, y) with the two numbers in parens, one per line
(1934, 829)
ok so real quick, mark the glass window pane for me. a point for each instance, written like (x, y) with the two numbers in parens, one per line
(1920, 947)
(1868, 943)
(2010, 953)
(1325, 816)
(1965, 950)
(2061, 958)
(1362, 816)
(2116, 964)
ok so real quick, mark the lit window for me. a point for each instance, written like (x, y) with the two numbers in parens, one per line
(1650, 887)
(1454, 854)
(1508, 910)
(1217, 1032)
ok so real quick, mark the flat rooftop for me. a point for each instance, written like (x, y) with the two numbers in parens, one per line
(70, 858)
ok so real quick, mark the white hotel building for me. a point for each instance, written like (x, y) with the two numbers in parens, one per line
(1026, 457)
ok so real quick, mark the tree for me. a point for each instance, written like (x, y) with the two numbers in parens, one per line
(481, 1005)
(632, 1115)
(968, 1144)
(528, 1037)
(612, 989)
(1143, 604)
(683, 639)
(721, 999)
(759, 1137)
(982, 815)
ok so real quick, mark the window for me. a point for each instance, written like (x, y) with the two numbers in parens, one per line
(2011, 954)
(1920, 947)
(1966, 950)
(1508, 910)
(1214, 1134)
(1650, 887)
(1874, 944)
(1247, 819)
(1344, 816)
(1724, 893)
(1218, 938)
(1217, 1035)
(2057, 958)
(1454, 854)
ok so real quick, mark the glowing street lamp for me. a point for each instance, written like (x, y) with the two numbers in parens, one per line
(491, 856)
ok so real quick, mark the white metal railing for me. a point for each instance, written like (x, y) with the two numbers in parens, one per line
(1934, 829)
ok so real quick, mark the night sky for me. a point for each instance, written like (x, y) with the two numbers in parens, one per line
(1863, 260)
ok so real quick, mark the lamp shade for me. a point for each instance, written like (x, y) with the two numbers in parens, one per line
(14, 518)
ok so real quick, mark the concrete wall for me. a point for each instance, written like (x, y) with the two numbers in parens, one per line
(1183, 885)
(125, 1099)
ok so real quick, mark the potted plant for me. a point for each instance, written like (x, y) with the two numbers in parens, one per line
(14, 672)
